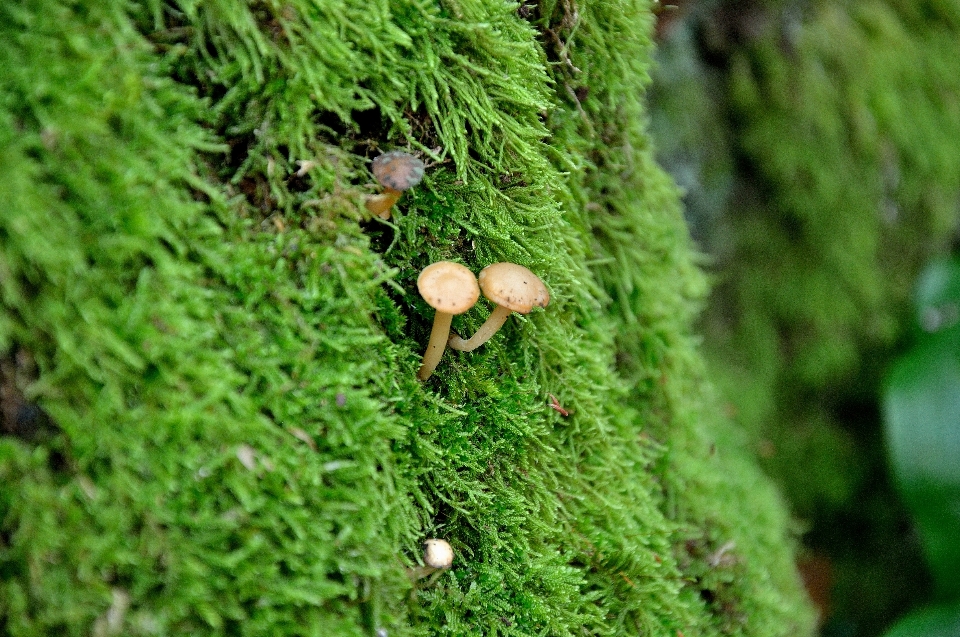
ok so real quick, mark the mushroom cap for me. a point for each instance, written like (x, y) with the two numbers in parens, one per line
(398, 170)
(513, 286)
(448, 287)
(437, 553)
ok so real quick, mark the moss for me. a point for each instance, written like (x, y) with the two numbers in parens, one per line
(829, 236)
(836, 126)
(228, 348)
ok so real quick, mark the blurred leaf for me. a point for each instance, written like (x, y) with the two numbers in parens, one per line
(942, 621)
(922, 410)
(937, 298)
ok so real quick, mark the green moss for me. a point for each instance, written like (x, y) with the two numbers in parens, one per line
(836, 128)
(846, 123)
(228, 348)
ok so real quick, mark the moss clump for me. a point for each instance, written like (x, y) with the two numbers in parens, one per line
(227, 348)
(839, 177)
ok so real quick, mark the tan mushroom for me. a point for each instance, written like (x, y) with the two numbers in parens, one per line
(450, 289)
(513, 288)
(396, 171)
(437, 556)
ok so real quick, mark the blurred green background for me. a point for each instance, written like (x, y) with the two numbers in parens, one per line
(818, 144)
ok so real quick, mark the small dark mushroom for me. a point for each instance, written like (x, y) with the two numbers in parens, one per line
(396, 171)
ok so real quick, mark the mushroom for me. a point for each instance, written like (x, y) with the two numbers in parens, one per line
(450, 289)
(437, 556)
(396, 171)
(513, 288)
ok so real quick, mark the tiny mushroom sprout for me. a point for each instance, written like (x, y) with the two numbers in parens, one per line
(513, 288)
(396, 171)
(437, 556)
(450, 289)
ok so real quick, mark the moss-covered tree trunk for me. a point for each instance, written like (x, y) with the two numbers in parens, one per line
(211, 420)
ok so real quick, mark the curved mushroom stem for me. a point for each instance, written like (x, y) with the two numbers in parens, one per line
(438, 342)
(381, 204)
(493, 323)
(419, 572)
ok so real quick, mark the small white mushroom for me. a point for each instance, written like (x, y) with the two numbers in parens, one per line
(437, 556)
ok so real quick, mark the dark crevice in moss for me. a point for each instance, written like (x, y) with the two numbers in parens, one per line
(19, 417)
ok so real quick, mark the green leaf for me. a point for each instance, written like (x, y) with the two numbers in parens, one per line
(937, 297)
(922, 412)
(941, 621)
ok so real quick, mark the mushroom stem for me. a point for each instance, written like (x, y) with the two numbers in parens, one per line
(438, 342)
(419, 572)
(493, 323)
(381, 204)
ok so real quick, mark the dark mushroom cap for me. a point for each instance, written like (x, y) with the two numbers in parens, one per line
(513, 286)
(398, 170)
(448, 287)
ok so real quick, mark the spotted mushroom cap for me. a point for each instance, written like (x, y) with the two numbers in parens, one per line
(513, 286)
(437, 553)
(448, 287)
(398, 170)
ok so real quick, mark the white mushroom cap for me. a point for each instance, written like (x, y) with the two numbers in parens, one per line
(437, 553)
(448, 287)
(514, 287)
(398, 170)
